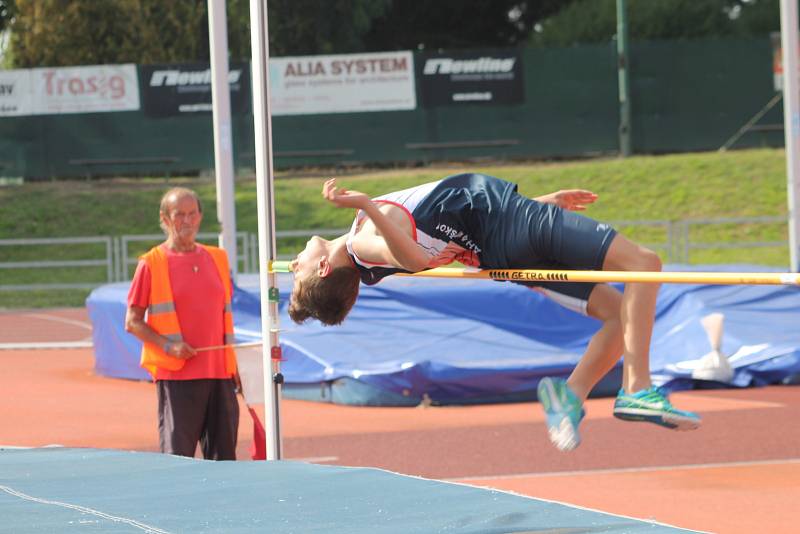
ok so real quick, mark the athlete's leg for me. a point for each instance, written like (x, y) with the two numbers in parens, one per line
(639, 400)
(562, 400)
(638, 309)
(605, 347)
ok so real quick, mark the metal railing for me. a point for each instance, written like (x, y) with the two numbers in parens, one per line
(125, 259)
(688, 245)
(107, 261)
(119, 254)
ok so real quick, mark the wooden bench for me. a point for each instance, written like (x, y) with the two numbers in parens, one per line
(322, 153)
(92, 163)
(463, 144)
(432, 147)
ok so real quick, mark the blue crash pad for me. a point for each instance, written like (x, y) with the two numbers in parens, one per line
(465, 341)
(90, 490)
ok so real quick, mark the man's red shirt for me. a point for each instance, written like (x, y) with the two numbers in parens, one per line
(199, 302)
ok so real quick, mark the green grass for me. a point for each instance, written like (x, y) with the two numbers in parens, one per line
(673, 188)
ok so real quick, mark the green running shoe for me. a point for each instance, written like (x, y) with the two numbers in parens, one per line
(652, 405)
(564, 412)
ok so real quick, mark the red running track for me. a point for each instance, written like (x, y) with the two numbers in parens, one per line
(740, 473)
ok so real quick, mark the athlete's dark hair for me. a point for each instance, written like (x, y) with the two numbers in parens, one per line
(327, 299)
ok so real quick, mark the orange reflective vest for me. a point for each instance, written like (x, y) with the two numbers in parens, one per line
(162, 317)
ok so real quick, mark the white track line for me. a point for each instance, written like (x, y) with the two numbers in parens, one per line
(309, 459)
(73, 322)
(37, 345)
(50, 446)
(82, 344)
(316, 460)
(84, 510)
(592, 472)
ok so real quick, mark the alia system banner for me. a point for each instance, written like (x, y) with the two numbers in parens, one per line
(342, 83)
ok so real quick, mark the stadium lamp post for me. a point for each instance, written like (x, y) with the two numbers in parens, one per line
(259, 42)
(223, 144)
(791, 122)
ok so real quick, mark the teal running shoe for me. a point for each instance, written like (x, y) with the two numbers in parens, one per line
(564, 412)
(652, 405)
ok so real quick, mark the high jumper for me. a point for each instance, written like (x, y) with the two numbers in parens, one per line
(483, 222)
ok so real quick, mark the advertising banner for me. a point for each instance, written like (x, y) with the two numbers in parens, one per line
(175, 89)
(471, 77)
(15, 93)
(88, 89)
(342, 83)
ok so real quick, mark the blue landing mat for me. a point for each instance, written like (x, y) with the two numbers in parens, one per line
(89, 490)
(468, 341)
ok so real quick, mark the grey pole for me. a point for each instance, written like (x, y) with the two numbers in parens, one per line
(791, 122)
(223, 144)
(259, 42)
(622, 74)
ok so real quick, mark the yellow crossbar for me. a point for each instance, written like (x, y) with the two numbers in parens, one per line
(538, 275)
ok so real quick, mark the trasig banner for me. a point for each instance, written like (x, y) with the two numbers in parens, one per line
(175, 89)
(89, 89)
(471, 77)
(342, 83)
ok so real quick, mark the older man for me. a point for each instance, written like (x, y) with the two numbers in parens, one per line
(179, 305)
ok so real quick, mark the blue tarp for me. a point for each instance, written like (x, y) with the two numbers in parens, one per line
(464, 341)
(89, 490)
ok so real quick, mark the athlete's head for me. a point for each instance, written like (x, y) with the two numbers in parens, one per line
(321, 291)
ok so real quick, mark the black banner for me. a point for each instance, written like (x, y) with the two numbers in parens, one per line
(474, 77)
(177, 89)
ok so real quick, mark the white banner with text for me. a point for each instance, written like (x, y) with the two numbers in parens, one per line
(85, 89)
(347, 83)
(90, 89)
(15, 93)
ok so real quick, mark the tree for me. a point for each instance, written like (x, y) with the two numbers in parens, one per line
(588, 21)
(81, 32)
(458, 23)
(7, 10)
(300, 27)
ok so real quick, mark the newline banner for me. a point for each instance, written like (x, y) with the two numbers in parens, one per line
(178, 89)
(474, 77)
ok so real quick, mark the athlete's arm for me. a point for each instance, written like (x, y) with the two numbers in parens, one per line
(569, 199)
(393, 246)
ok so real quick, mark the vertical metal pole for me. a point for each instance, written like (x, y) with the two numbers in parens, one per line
(223, 145)
(623, 77)
(259, 41)
(791, 122)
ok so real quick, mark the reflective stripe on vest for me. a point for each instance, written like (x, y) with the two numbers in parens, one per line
(164, 307)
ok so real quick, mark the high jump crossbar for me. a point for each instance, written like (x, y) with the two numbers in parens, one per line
(542, 275)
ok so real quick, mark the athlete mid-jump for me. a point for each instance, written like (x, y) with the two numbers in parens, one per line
(484, 222)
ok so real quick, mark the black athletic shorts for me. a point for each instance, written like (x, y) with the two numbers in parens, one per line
(533, 235)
